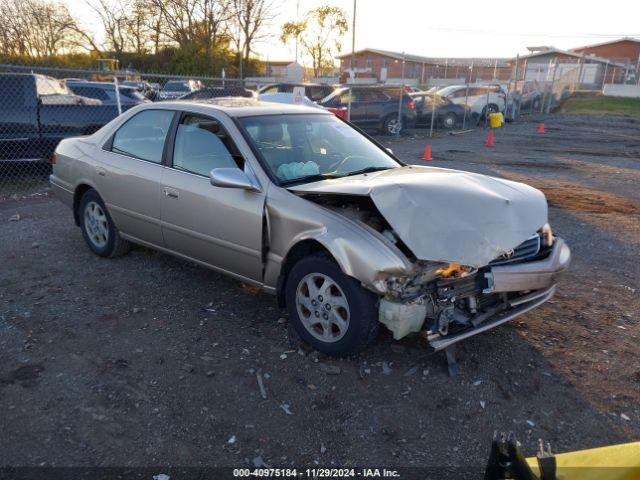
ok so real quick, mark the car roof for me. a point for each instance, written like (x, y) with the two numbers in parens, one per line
(240, 106)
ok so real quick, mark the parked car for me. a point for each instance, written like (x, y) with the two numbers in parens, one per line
(374, 107)
(287, 98)
(217, 92)
(295, 201)
(446, 114)
(177, 88)
(37, 111)
(106, 93)
(481, 99)
(146, 88)
(313, 91)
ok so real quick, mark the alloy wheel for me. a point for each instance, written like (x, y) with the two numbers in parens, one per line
(96, 224)
(322, 307)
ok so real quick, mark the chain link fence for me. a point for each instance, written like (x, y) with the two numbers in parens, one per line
(40, 106)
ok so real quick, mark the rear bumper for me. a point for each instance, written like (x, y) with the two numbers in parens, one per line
(61, 191)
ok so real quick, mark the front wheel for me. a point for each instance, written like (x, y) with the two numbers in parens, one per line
(98, 229)
(330, 310)
(392, 125)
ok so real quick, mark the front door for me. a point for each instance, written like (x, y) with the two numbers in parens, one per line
(221, 227)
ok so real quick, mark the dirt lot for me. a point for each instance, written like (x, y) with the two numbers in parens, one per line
(148, 360)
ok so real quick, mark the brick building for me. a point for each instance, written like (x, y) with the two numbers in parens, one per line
(623, 50)
(384, 66)
(546, 64)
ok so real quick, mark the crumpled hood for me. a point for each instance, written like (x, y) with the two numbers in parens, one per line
(447, 215)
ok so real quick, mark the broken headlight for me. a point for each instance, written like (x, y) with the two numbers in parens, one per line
(546, 236)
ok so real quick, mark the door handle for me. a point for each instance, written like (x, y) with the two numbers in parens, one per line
(101, 171)
(170, 192)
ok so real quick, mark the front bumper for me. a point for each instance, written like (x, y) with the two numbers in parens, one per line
(533, 282)
(535, 275)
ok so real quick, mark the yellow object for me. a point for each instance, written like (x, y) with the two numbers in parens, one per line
(496, 120)
(616, 462)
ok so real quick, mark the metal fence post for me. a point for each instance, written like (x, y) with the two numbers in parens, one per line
(466, 107)
(115, 86)
(553, 81)
(433, 112)
(400, 99)
(604, 76)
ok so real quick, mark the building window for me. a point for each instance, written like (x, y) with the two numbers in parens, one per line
(368, 64)
(384, 63)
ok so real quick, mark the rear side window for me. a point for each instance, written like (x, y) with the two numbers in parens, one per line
(143, 135)
(202, 144)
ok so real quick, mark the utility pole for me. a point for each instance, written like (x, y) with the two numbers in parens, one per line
(353, 57)
(297, 20)
(240, 47)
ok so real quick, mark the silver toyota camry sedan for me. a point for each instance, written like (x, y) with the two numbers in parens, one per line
(305, 206)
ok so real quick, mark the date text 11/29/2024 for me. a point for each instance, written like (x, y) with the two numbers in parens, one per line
(316, 472)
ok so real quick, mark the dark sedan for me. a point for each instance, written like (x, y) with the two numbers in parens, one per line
(447, 114)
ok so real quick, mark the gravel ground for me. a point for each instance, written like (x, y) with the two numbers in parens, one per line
(149, 360)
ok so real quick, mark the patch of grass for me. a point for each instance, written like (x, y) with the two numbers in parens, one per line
(601, 105)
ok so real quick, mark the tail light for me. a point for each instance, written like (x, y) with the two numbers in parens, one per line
(339, 112)
(412, 106)
(54, 158)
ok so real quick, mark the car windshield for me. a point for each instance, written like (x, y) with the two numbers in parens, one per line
(177, 86)
(308, 147)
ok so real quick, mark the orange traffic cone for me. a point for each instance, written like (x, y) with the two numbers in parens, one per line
(427, 153)
(541, 128)
(489, 142)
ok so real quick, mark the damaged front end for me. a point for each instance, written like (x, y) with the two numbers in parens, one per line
(452, 302)
(475, 258)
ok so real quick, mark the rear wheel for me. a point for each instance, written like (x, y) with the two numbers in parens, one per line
(330, 310)
(98, 229)
(391, 125)
(449, 121)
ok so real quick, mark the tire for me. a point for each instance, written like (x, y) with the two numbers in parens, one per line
(536, 104)
(449, 121)
(350, 302)
(98, 228)
(491, 108)
(390, 124)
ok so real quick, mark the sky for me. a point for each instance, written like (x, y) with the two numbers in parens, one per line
(463, 28)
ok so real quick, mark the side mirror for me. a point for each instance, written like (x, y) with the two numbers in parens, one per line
(231, 178)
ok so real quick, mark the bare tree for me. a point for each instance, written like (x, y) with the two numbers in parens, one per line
(113, 16)
(319, 34)
(250, 18)
(37, 28)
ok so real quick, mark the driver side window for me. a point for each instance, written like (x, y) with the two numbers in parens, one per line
(202, 144)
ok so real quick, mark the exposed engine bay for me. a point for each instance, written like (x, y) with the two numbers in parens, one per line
(440, 299)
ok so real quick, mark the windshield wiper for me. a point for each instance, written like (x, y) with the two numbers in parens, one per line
(310, 178)
(366, 170)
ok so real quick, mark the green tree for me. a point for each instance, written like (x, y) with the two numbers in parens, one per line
(319, 35)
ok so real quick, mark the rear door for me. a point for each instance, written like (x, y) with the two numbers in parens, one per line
(221, 227)
(129, 171)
